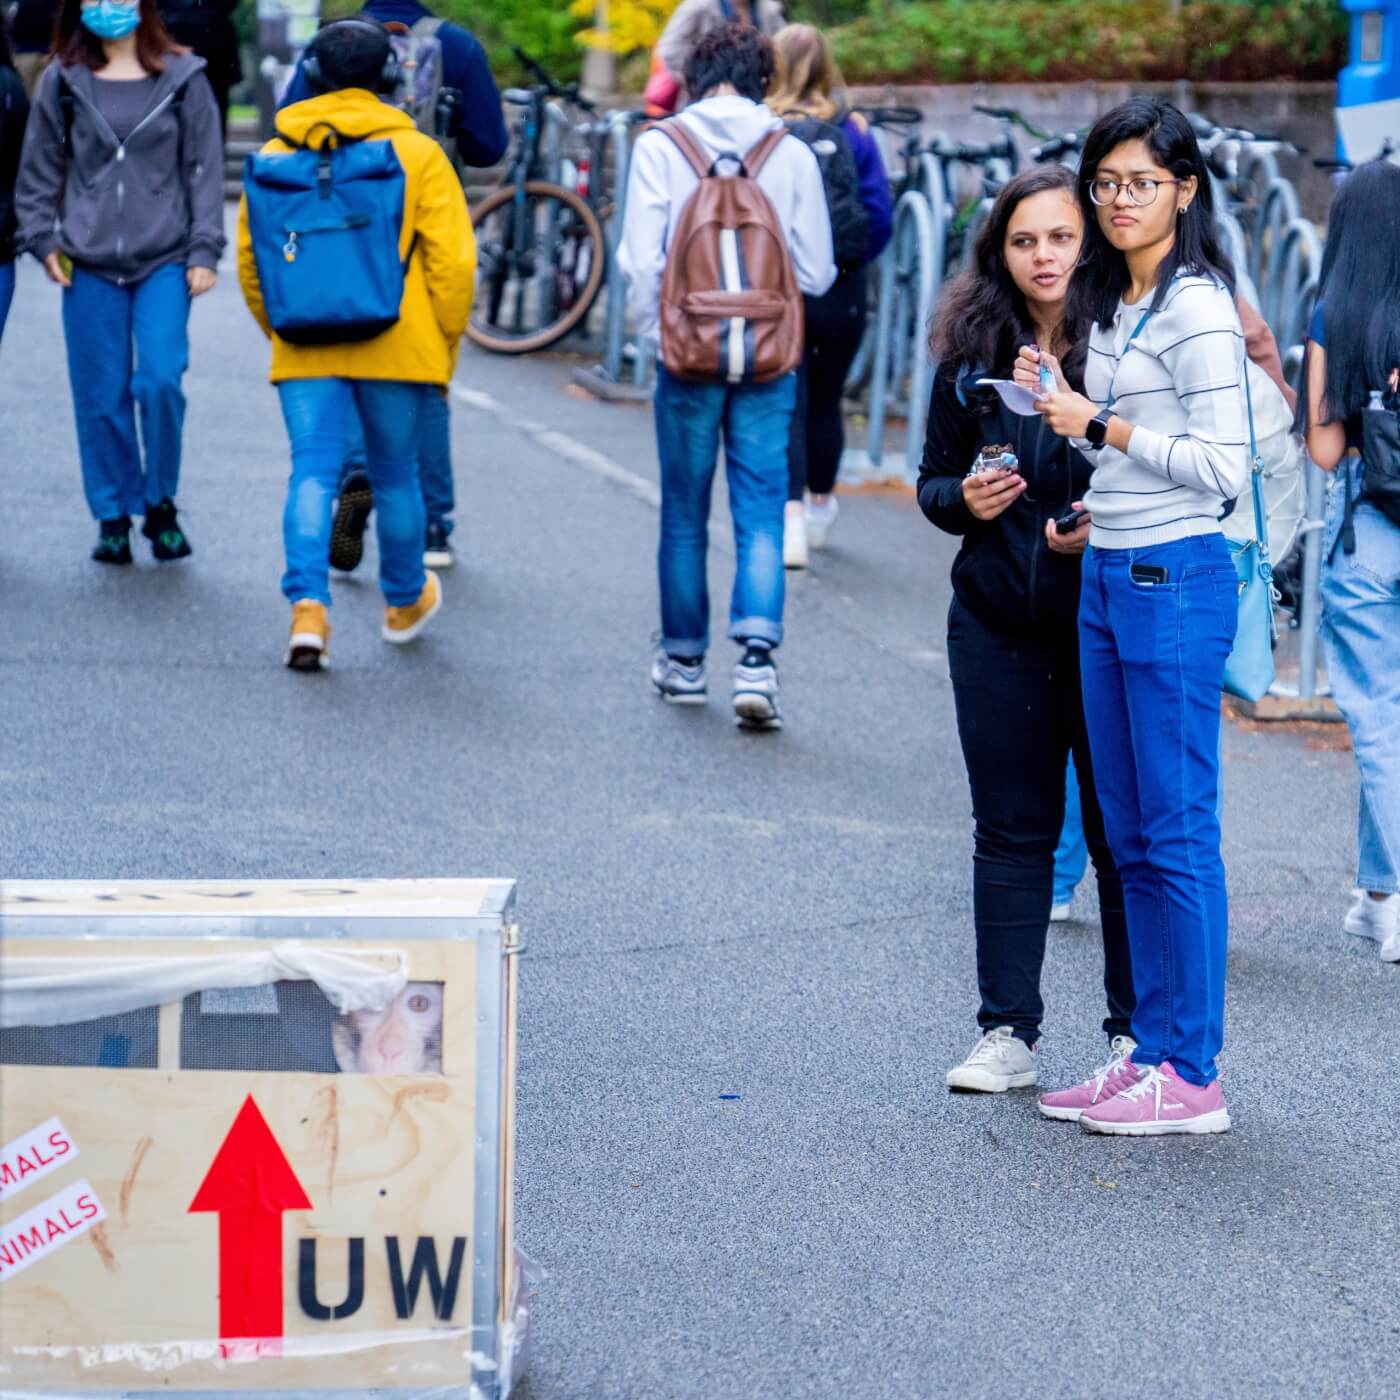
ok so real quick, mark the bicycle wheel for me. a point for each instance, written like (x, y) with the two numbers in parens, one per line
(540, 262)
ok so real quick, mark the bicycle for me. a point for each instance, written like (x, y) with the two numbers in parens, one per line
(541, 253)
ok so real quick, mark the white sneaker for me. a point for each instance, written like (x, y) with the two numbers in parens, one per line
(677, 683)
(998, 1062)
(794, 537)
(1059, 913)
(820, 518)
(1372, 918)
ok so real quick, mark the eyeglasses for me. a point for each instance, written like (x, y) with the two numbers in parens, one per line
(1140, 191)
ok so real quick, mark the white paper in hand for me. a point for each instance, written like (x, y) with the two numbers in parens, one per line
(1017, 399)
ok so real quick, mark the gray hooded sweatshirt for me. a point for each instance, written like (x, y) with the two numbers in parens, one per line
(122, 209)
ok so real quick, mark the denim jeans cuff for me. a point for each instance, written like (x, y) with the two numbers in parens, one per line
(763, 629)
(685, 646)
(1377, 882)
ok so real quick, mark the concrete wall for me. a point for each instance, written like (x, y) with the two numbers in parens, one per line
(1300, 112)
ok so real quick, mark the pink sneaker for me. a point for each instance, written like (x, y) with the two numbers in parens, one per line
(1107, 1080)
(1160, 1102)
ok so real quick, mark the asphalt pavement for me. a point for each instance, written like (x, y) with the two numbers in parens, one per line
(785, 918)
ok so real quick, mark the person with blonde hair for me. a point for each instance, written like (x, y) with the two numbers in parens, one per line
(804, 93)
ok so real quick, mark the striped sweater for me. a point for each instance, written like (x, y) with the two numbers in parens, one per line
(1179, 382)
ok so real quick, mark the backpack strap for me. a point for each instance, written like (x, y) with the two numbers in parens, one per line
(427, 27)
(688, 145)
(757, 157)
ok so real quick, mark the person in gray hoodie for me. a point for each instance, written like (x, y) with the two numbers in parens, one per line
(120, 196)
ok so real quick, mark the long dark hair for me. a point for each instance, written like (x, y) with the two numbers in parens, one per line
(6, 58)
(1102, 275)
(76, 45)
(1360, 287)
(982, 317)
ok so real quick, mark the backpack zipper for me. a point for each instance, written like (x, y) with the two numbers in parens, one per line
(290, 247)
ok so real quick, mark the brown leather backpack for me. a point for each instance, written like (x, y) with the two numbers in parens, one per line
(731, 309)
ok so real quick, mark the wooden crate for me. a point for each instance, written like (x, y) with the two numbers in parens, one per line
(255, 1231)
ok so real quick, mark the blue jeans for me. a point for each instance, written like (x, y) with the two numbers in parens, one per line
(102, 322)
(1072, 854)
(1361, 633)
(1152, 657)
(753, 420)
(434, 456)
(315, 411)
(7, 292)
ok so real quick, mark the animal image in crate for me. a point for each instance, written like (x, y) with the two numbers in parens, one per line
(265, 1152)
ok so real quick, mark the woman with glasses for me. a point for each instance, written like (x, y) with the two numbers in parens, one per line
(1163, 420)
(1012, 635)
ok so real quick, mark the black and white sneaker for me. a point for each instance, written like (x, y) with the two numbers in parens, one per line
(756, 691)
(677, 682)
(437, 547)
(352, 511)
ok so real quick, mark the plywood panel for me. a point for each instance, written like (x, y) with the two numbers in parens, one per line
(380, 1158)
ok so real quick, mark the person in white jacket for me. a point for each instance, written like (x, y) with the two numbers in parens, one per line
(729, 68)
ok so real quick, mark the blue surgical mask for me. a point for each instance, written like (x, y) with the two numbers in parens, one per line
(112, 19)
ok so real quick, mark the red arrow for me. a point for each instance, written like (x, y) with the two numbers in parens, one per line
(249, 1184)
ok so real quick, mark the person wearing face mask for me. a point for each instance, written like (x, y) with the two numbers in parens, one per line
(1163, 418)
(1012, 640)
(121, 197)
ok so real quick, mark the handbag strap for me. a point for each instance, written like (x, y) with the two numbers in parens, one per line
(1142, 321)
(1256, 470)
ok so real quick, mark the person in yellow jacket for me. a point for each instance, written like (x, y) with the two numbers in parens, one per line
(385, 378)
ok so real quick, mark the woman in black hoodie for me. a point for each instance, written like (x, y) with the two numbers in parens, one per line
(1012, 635)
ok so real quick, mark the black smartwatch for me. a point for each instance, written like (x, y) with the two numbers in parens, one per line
(1096, 430)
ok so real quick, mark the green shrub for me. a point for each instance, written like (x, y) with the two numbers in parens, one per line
(951, 41)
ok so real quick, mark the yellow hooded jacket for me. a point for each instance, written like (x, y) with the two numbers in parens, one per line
(421, 347)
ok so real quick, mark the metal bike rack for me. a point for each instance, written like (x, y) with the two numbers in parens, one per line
(1295, 265)
(910, 273)
(607, 380)
(1277, 210)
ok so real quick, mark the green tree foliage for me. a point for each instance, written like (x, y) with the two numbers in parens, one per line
(952, 41)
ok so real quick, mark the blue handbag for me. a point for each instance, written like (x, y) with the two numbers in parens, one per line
(1249, 671)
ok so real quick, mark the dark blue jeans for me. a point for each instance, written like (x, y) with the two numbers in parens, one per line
(434, 456)
(128, 349)
(753, 420)
(1152, 657)
(315, 411)
(7, 292)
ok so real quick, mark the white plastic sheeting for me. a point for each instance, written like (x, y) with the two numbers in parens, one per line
(37, 991)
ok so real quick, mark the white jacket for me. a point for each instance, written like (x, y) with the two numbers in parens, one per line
(661, 180)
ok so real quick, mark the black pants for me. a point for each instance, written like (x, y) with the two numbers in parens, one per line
(834, 326)
(1020, 713)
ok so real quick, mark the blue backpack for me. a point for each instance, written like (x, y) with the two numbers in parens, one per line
(325, 228)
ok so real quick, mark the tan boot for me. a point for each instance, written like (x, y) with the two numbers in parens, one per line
(311, 635)
(404, 624)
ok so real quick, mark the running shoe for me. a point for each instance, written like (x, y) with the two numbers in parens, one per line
(352, 511)
(437, 547)
(756, 691)
(1115, 1074)
(1372, 918)
(1160, 1101)
(113, 541)
(162, 527)
(794, 537)
(679, 682)
(821, 516)
(1001, 1060)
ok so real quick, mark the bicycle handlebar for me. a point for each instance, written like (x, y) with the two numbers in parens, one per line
(568, 92)
(975, 154)
(891, 116)
(1057, 146)
(1010, 114)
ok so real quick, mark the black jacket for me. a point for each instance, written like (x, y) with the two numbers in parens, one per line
(14, 109)
(1004, 572)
